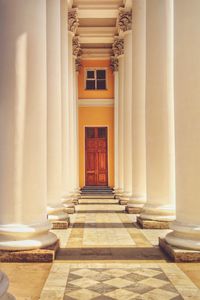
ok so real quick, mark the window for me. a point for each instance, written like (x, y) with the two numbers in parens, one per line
(95, 79)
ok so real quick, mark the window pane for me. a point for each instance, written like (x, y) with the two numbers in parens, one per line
(101, 84)
(90, 85)
(90, 74)
(90, 132)
(102, 132)
(101, 74)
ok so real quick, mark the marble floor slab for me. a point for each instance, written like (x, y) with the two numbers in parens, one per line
(109, 281)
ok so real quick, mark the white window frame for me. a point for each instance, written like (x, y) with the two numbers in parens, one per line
(95, 78)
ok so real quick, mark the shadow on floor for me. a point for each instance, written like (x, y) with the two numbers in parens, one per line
(103, 225)
(117, 253)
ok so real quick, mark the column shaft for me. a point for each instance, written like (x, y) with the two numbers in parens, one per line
(121, 125)
(54, 110)
(159, 112)
(138, 104)
(127, 116)
(65, 78)
(23, 131)
(116, 132)
(186, 228)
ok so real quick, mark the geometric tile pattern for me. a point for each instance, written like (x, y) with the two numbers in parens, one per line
(119, 283)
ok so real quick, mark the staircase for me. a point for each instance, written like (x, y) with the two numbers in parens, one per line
(97, 192)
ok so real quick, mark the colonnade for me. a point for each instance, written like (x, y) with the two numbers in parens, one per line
(38, 116)
(158, 132)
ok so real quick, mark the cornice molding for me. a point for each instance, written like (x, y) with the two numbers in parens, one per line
(95, 102)
(125, 19)
(73, 22)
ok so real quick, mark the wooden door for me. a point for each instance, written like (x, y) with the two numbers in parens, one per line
(96, 161)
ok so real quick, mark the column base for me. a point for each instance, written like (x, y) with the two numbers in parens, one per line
(135, 204)
(60, 224)
(184, 235)
(118, 194)
(123, 202)
(163, 213)
(179, 254)
(70, 209)
(76, 201)
(17, 237)
(46, 254)
(133, 209)
(4, 284)
(152, 224)
(56, 214)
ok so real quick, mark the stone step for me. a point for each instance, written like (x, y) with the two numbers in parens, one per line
(97, 197)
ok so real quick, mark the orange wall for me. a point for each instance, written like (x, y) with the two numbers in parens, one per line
(96, 116)
(102, 94)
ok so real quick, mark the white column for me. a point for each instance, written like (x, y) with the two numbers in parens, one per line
(121, 126)
(65, 77)
(159, 112)
(138, 104)
(127, 116)
(23, 130)
(71, 95)
(75, 136)
(116, 129)
(186, 228)
(4, 284)
(54, 109)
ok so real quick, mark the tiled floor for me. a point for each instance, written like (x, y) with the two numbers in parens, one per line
(104, 256)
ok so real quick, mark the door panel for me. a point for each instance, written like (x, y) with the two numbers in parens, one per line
(96, 171)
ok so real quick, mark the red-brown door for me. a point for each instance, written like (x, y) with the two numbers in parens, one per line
(96, 162)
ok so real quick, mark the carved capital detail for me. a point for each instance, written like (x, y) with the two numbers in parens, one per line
(78, 64)
(118, 46)
(76, 46)
(73, 20)
(125, 19)
(114, 63)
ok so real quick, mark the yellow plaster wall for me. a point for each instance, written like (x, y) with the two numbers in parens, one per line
(96, 116)
(101, 94)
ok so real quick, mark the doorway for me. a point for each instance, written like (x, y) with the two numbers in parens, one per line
(96, 156)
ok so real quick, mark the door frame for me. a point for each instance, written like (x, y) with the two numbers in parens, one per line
(108, 147)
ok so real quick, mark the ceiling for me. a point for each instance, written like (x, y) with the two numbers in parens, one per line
(97, 25)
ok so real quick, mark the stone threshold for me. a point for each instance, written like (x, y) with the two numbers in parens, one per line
(133, 210)
(152, 224)
(178, 254)
(47, 254)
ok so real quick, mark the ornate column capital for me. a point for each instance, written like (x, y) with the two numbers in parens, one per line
(76, 46)
(76, 49)
(118, 46)
(78, 64)
(125, 19)
(114, 63)
(73, 20)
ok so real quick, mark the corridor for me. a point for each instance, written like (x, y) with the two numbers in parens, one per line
(104, 255)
